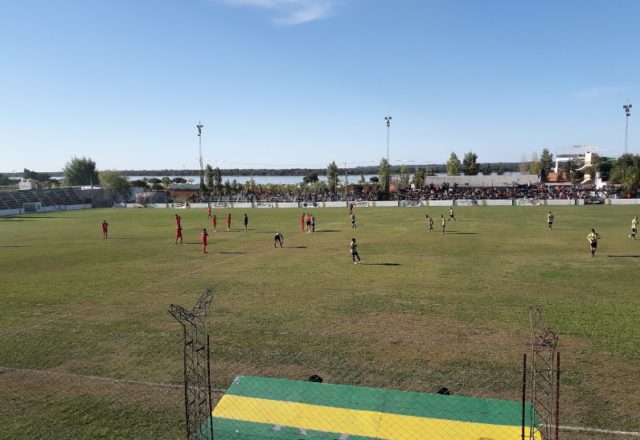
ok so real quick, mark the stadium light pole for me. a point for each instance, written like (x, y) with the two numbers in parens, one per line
(627, 111)
(388, 121)
(199, 127)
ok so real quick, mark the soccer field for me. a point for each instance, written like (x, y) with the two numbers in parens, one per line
(88, 349)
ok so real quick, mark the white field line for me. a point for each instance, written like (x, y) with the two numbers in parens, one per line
(98, 378)
(599, 431)
(222, 390)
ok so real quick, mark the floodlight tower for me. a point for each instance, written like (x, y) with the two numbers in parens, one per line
(199, 127)
(627, 112)
(388, 121)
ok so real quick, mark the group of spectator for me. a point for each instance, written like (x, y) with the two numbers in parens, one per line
(445, 191)
(539, 191)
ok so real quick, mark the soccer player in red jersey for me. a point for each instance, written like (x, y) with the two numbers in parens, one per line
(302, 223)
(228, 222)
(178, 234)
(178, 220)
(209, 212)
(105, 229)
(308, 222)
(214, 223)
(203, 239)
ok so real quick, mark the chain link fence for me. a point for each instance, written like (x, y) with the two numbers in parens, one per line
(79, 384)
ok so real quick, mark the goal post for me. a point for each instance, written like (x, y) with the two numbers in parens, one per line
(32, 207)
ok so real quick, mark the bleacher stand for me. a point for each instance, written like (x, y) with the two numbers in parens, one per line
(46, 197)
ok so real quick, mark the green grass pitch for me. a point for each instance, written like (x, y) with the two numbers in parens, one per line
(424, 310)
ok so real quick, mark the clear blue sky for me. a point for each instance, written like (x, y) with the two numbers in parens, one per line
(299, 83)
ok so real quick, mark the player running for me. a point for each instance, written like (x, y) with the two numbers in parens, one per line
(634, 227)
(550, 219)
(353, 248)
(228, 222)
(245, 221)
(429, 222)
(278, 239)
(214, 223)
(105, 229)
(593, 238)
(204, 235)
(451, 215)
(178, 234)
(443, 223)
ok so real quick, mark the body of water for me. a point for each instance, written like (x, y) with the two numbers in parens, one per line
(261, 180)
(279, 180)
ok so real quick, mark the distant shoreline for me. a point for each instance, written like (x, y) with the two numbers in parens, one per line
(437, 168)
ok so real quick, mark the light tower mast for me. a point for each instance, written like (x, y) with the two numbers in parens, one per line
(199, 127)
(627, 112)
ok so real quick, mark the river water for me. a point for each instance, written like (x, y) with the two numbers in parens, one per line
(278, 180)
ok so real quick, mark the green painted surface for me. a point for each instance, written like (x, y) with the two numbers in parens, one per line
(240, 430)
(465, 409)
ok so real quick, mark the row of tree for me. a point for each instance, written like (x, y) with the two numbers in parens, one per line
(82, 171)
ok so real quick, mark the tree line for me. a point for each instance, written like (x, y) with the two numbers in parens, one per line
(625, 170)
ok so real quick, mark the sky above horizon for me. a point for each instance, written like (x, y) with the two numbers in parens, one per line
(301, 83)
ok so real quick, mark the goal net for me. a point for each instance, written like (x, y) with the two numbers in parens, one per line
(32, 206)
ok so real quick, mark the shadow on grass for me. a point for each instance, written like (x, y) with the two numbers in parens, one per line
(14, 246)
(623, 256)
(330, 230)
(297, 247)
(462, 233)
(381, 264)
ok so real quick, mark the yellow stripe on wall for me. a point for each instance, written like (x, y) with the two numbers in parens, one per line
(358, 422)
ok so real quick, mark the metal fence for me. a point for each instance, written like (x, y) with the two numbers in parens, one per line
(79, 384)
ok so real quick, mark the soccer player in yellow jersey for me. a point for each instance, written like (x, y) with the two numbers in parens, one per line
(634, 227)
(452, 215)
(443, 223)
(550, 219)
(593, 238)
